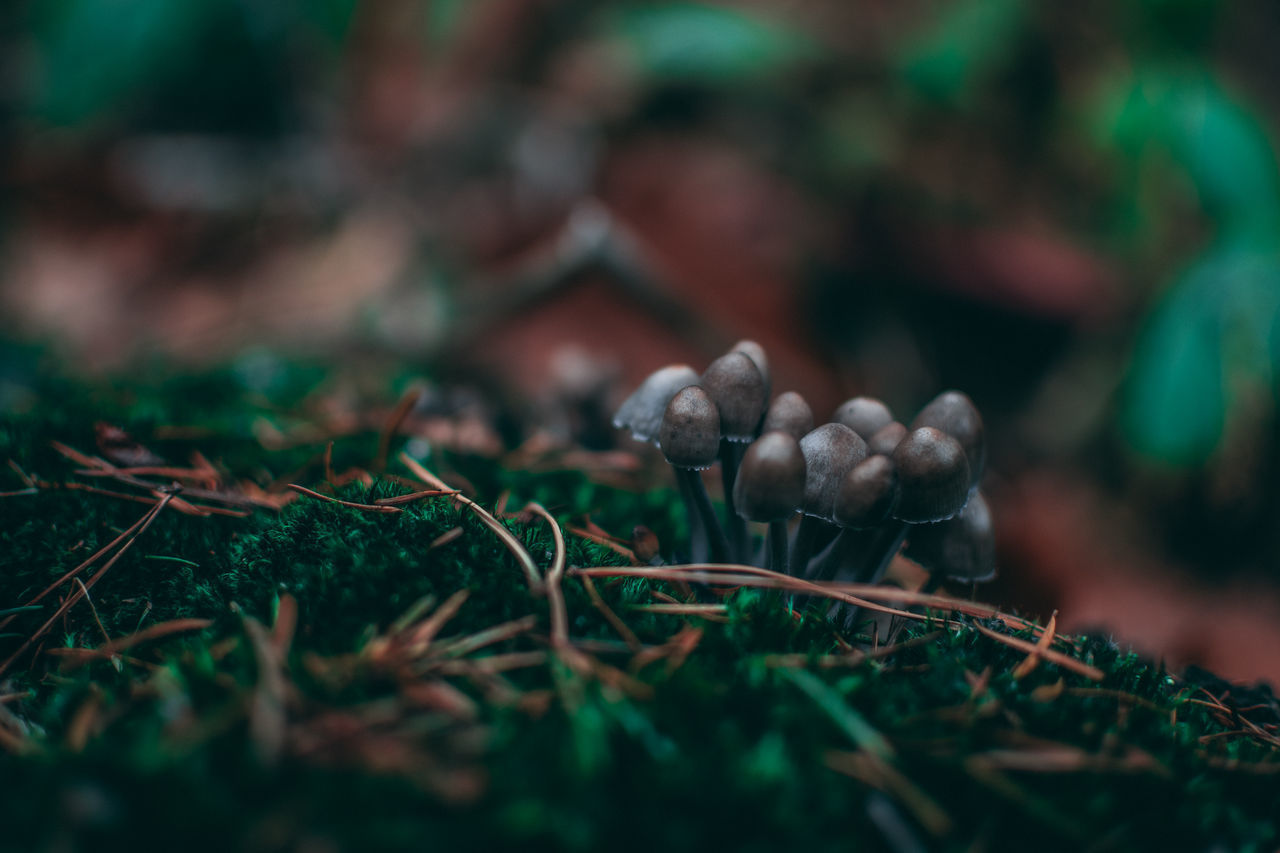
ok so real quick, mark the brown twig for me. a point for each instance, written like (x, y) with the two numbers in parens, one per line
(267, 708)
(536, 584)
(457, 647)
(1032, 660)
(628, 636)
(555, 597)
(368, 507)
(394, 421)
(1078, 667)
(147, 519)
(427, 629)
(133, 528)
(607, 542)
(416, 496)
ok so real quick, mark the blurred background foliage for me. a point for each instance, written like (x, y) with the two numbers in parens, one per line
(1071, 210)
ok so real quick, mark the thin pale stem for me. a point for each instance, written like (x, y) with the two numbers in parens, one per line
(884, 544)
(719, 545)
(699, 541)
(802, 547)
(736, 527)
(778, 546)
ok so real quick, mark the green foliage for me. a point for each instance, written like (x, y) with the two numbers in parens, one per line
(1207, 342)
(93, 55)
(749, 743)
(708, 43)
(947, 60)
(1211, 338)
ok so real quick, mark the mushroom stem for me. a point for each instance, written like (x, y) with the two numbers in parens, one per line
(730, 458)
(882, 545)
(802, 546)
(719, 546)
(699, 541)
(778, 546)
(842, 550)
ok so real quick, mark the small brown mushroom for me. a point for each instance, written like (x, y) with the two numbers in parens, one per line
(886, 439)
(642, 412)
(863, 415)
(954, 413)
(790, 413)
(770, 487)
(830, 451)
(933, 476)
(961, 548)
(690, 440)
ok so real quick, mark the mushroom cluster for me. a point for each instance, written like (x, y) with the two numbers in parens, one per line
(839, 499)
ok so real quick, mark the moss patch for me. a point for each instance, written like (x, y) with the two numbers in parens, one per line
(753, 728)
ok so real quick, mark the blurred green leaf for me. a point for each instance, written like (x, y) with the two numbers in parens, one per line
(1227, 155)
(91, 55)
(331, 18)
(962, 42)
(1214, 330)
(1176, 405)
(1213, 136)
(709, 43)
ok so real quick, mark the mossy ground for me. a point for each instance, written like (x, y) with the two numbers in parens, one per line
(332, 736)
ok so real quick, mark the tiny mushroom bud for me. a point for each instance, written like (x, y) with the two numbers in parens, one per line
(954, 413)
(830, 451)
(867, 493)
(757, 355)
(864, 499)
(770, 487)
(933, 476)
(863, 415)
(690, 431)
(644, 543)
(736, 386)
(960, 548)
(886, 439)
(789, 413)
(642, 412)
(690, 441)
(771, 479)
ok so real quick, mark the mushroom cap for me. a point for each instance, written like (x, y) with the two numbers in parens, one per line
(954, 413)
(963, 548)
(863, 415)
(829, 452)
(737, 388)
(642, 411)
(790, 413)
(867, 493)
(690, 432)
(757, 355)
(933, 476)
(770, 482)
(887, 438)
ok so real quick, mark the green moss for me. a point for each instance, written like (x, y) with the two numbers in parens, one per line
(727, 749)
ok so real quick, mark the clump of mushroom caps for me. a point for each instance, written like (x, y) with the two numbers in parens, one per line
(837, 500)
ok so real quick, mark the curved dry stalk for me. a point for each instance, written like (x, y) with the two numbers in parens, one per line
(536, 585)
(736, 575)
(302, 490)
(1090, 672)
(729, 574)
(555, 597)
